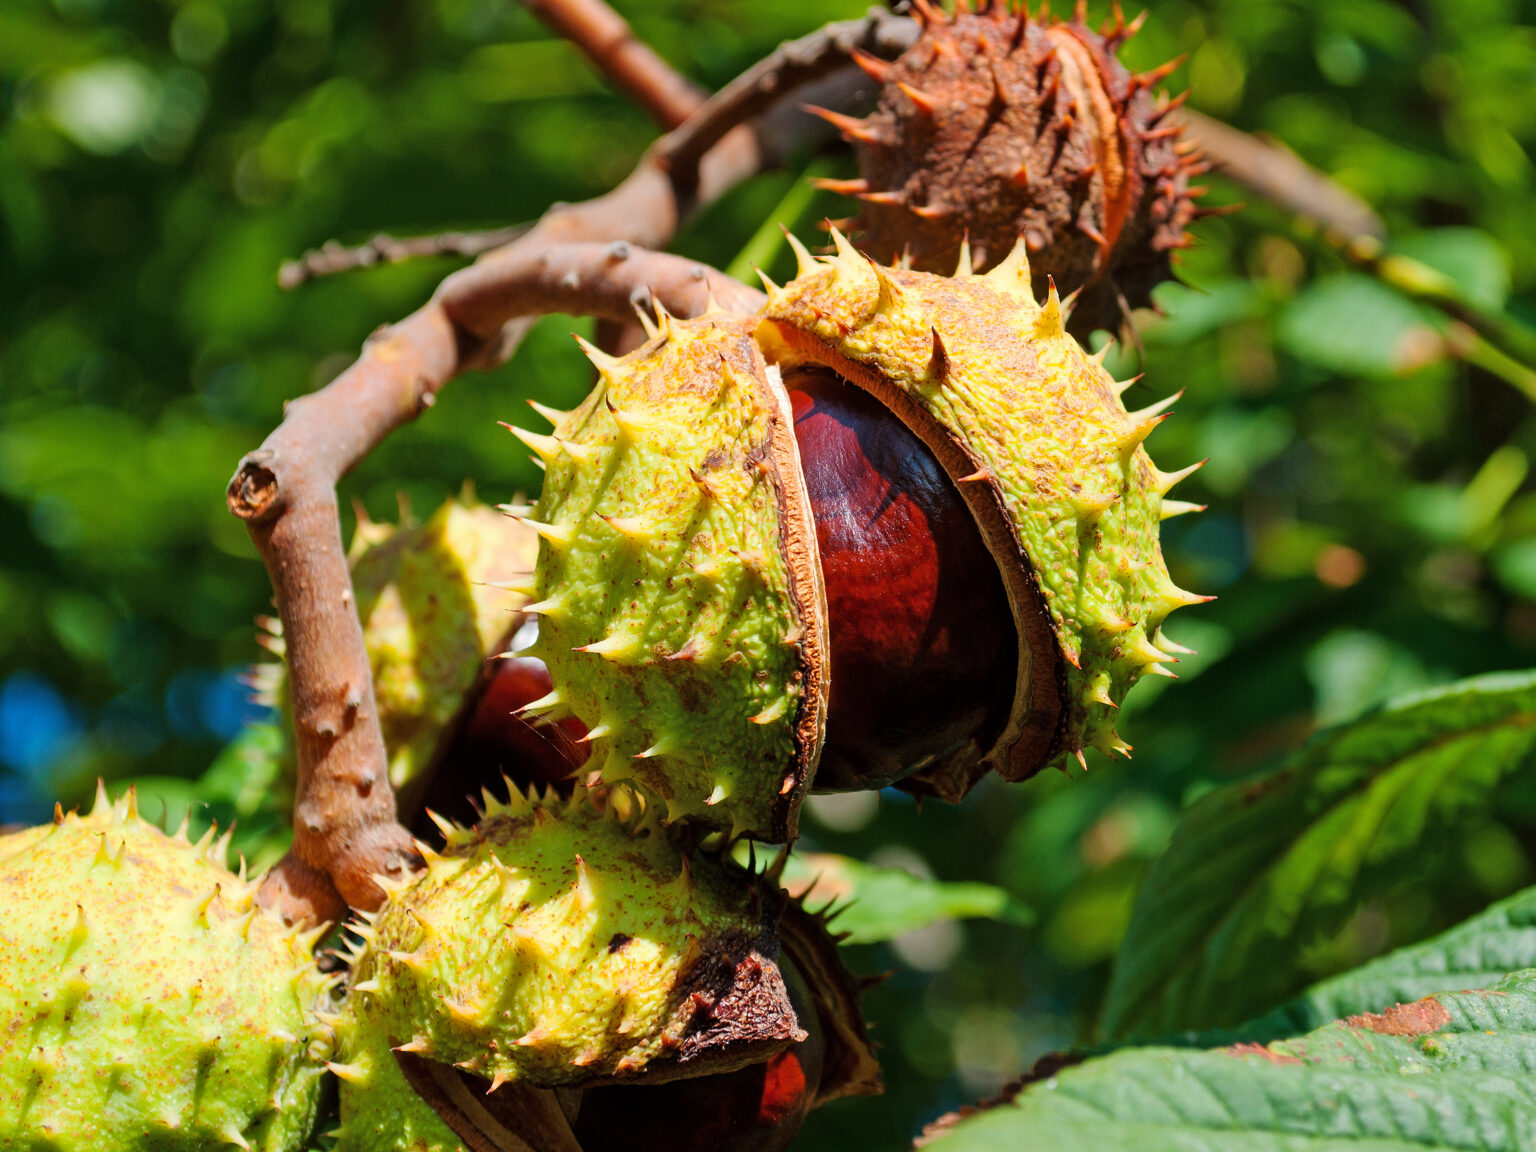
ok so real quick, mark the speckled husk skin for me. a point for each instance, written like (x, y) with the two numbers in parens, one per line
(558, 945)
(1033, 431)
(997, 126)
(678, 588)
(145, 1001)
(434, 604)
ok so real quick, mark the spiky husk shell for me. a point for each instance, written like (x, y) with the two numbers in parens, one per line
(1050, 462)
(999, 126)
(434, 605)
(145, 1001)
(679, 595)
(434, 602)
(381, 1112)
(22, 839)
(849, 1067)
(556, 944)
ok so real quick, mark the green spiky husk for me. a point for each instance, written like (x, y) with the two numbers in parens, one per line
(555, 944)
(976, 363)
(145, 1001)
(673, 621)
(434, 606)
(379, 1110)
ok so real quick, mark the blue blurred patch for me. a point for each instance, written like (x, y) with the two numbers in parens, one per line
(1213, 550)
(37, 726)
(202, 704)
(37, 730)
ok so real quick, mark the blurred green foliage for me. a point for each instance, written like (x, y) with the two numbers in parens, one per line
(1372, 521)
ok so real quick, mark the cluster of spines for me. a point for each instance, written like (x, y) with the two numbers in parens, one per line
(379, 969)
(1143, 167)
(109, 814)
(872, 132)
(1126, 644)
(114, 821)
(590, 440)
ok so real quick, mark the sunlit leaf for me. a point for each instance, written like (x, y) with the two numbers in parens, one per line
(1353, 325)
(1259, 870)
(1474, 261)
(1473, 954)
(1451, 1071)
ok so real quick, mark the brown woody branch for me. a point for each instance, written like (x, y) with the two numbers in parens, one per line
(1284, 179)
(331, 257)
(285, 491)
(792, 65)
(626, 61)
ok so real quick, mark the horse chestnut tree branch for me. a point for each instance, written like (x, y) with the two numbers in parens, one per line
(345, 824)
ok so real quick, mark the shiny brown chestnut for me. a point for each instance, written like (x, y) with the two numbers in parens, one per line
(491, 740)
(922, 643)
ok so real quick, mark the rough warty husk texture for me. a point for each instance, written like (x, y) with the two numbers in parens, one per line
(556, 944)
(678, 592)
(997, 126)
(145, 1000)
(434, 602)
(679, 588)
(1033, 431)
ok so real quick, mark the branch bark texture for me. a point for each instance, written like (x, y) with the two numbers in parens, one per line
(626, 61)
(344, 812)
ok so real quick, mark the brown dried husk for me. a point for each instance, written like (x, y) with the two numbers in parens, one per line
(995, 126)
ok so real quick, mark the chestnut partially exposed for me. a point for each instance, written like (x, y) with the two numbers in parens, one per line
(569, 944)
(493, 740)
(921, 639)
(901, 530)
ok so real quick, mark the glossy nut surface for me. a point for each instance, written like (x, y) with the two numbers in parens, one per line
(921, 638)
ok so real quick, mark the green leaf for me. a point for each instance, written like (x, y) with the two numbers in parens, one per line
(1451, 1071)
(1474, 954)
(1258, 871)
(1353, 670)
(883, 903)
(1352, 325)
(1515, 566)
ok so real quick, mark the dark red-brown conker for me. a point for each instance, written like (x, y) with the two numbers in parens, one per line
(491, 740)
(922, 642)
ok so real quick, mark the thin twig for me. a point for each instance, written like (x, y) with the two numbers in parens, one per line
(626, 61)
(1503, 344)
(1492, 340)
(285, 491)
(331, 257)
(1284, 179)
(793, 64)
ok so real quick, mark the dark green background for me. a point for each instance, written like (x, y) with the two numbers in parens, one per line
(1370, 522)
